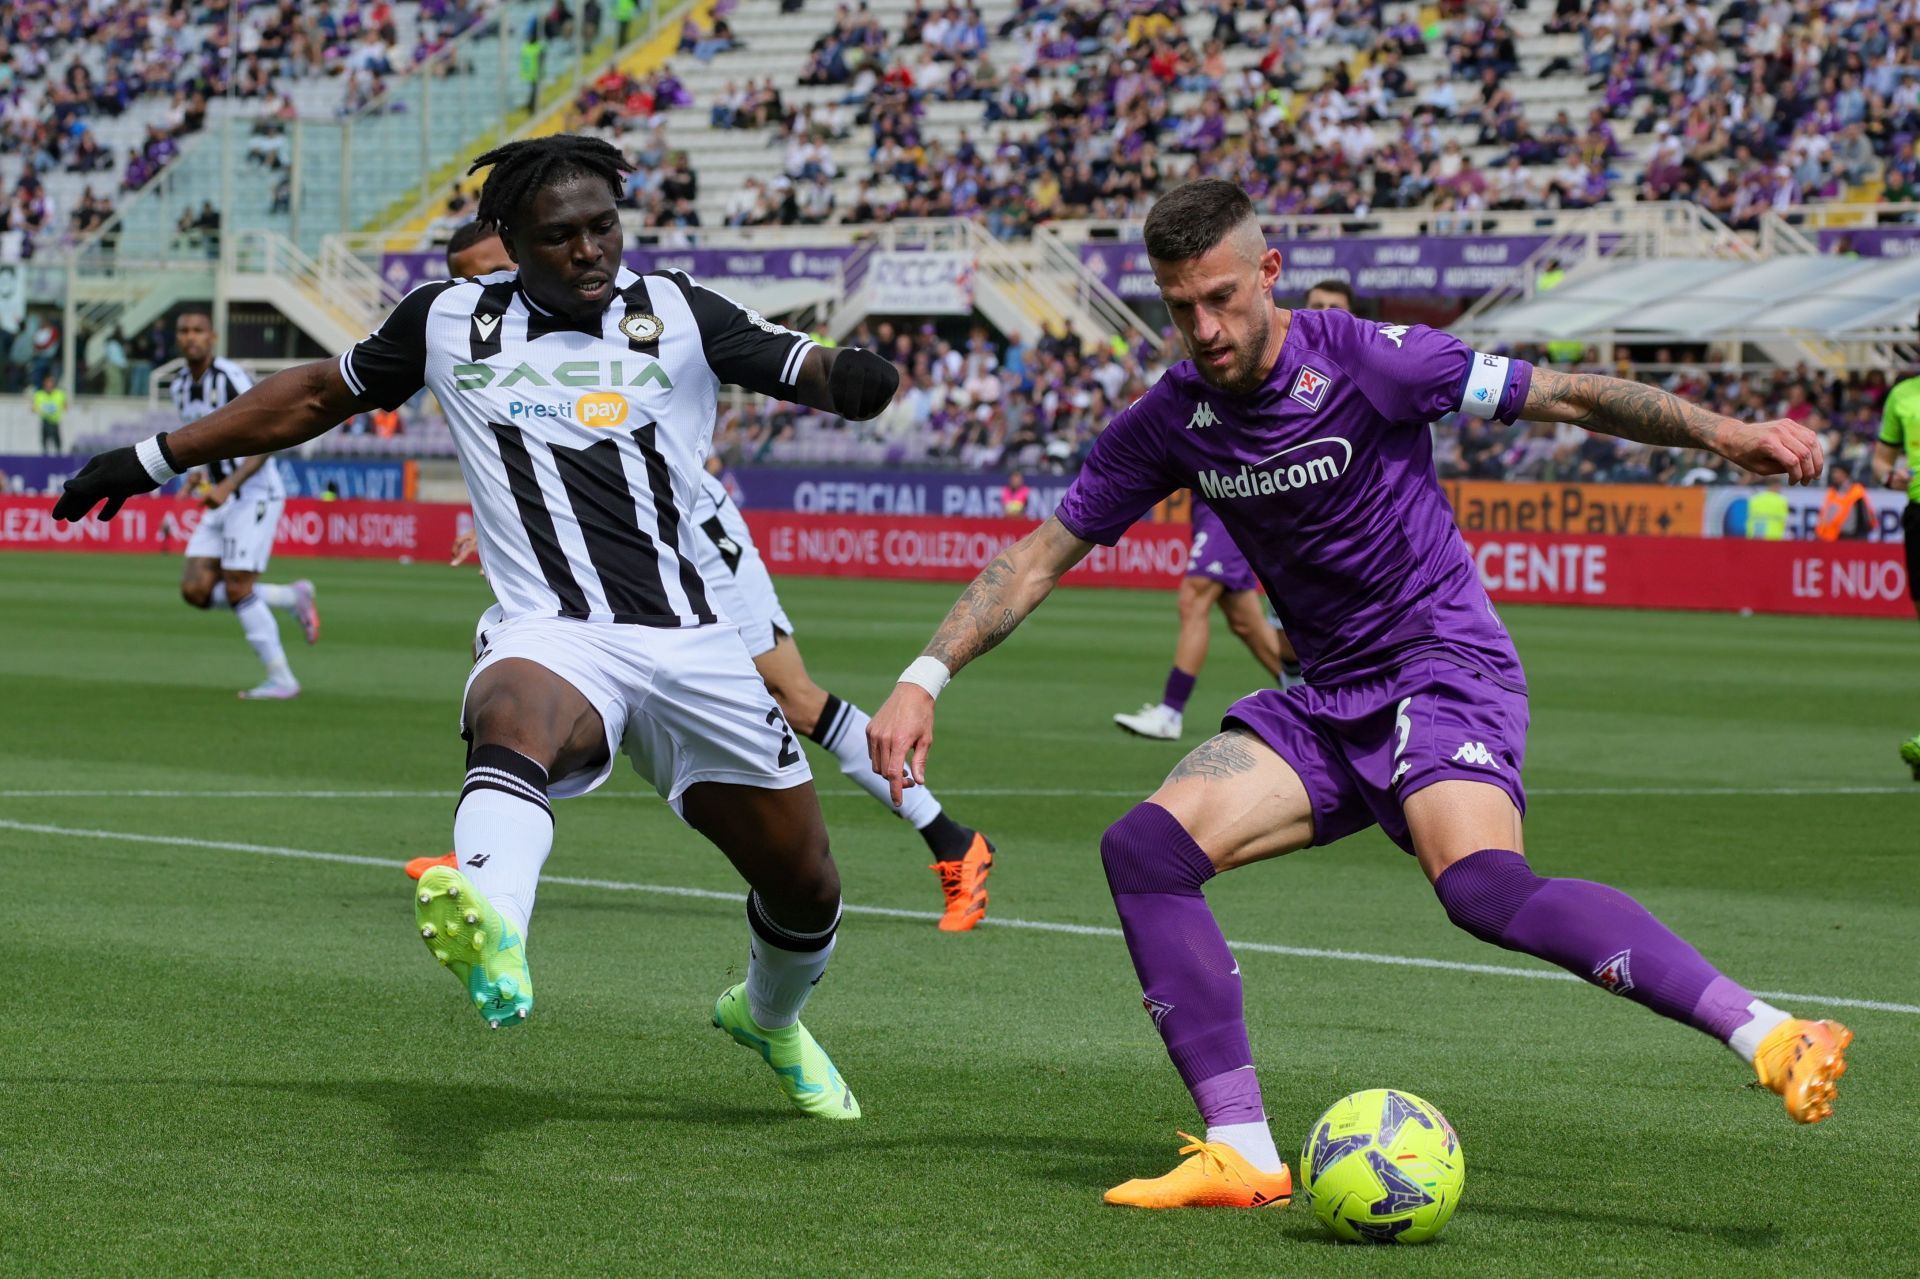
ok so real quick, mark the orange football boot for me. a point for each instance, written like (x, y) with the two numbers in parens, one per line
(1216, 1177)
(965, 884)
(1803, 1061)
(421, 865)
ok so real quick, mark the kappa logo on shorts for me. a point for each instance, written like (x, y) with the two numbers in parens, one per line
(1475, 753)
(1616, 973)
(1310, 388)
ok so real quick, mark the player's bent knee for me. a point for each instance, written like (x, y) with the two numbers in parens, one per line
(1483, 891)
(1149, 851)
(197, 594)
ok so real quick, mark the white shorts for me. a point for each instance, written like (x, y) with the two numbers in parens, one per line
(239, 533)
(738, 583)
(686, 705)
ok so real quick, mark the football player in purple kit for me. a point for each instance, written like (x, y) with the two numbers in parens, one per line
(1217, 573)
(1317, 457)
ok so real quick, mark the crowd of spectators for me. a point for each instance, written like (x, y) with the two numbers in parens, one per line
(1844, 409)
(1035, 404)
(1753, 105)
(67, 65)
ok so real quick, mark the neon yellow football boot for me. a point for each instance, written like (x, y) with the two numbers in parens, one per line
(805, 1072)
(466, 934)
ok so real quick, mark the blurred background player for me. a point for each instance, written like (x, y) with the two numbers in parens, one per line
(243, 498)
(739, 583)
(1217, 574)
(1896, 459)
(474, 249)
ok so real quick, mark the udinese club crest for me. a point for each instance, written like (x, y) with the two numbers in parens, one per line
(641, 327)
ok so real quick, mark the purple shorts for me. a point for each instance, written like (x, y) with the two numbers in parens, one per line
(1215, 557)
(1363, 747)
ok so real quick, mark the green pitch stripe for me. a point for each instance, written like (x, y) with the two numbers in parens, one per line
(1037, 925)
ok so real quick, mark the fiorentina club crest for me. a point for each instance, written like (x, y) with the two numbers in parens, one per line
(1616, 974)
(1156, 1009)
(1310, 388)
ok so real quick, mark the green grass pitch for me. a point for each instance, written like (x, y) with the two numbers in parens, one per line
(222, 1060)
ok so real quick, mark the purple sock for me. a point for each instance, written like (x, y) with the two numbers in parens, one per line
(1179, 689)
(1593, 931)
(1189, 980)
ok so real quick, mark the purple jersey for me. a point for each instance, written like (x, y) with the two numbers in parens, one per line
(1214, 556)
(1324, 478)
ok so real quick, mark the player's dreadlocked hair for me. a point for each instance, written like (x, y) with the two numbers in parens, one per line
(522, 168)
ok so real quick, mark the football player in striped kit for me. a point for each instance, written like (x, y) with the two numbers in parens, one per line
(581, 399)
(242, 500)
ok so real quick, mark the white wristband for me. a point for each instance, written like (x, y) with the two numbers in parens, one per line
(929, 673)
(148, 451)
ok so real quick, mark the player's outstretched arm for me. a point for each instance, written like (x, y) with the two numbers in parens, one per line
(289, 408)
(998, 600)
(849, 380)
(1635, 411)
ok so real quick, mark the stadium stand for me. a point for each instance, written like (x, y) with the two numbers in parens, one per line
(1016, 115)
(782, 112)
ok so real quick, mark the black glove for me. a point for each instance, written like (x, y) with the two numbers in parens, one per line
(861, 383)
(115, 475)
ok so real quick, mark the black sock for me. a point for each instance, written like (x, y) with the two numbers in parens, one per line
(1290, 669)
(948, 839)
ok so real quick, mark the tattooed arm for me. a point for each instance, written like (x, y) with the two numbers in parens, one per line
(1008, 589)
(1635, 411)
(998, 600)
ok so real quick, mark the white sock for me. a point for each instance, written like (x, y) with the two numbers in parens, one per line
(257, 623)
(842, 729)
(503, 830)
(1746, 1040)
(218, 597)
(782, 966)
(280, 597)
(1254, 1141)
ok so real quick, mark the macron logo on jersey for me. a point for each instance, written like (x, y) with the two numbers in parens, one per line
(1310, 388)
(1329, 461)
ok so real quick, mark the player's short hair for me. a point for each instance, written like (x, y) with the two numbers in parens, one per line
(521, 169)
(1189, 220)
(1341, 287)
(200, 309)
(468, 234)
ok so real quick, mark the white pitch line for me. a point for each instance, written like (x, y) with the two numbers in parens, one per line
(1036, 792)
(1035, 925)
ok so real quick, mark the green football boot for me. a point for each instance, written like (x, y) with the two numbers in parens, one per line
(466, 934)
(805, 1072)
(1910, 752)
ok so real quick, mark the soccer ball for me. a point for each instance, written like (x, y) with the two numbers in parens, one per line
(1383, 1166)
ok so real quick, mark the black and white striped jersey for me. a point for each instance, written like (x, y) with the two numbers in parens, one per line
(581, 441)
(195, 397)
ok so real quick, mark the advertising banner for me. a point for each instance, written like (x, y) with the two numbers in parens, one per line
(374, 481)
(346, 530)
(1374, 265)
(927, 283)
(1723, 575)
(1637, 510)
(1872, 242)
(1715, 574)
(1857, 579)
(406, 270)
(1151, 556)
